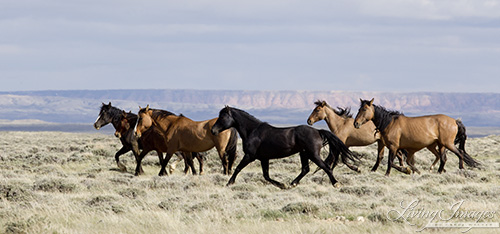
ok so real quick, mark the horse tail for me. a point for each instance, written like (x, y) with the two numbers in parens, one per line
(337, 147)
(460, 140)
(231, 147)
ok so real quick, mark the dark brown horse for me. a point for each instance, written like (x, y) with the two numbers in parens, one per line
(340, 122)
(149, 143)
(416, 133)
(180, 133)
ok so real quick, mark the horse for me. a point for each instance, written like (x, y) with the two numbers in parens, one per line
(416, 133)
(110, 114)
(264, 142)
(340, 122)
(180, 133)
(149, 143)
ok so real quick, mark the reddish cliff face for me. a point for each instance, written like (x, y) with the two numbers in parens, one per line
(82, 105)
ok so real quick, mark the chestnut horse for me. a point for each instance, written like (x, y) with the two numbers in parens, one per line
(340, 122)
(183, 134)
(264, 142)
(149, 143)
(416, 133)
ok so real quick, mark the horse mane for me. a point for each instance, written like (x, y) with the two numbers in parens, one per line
(242, 113)
(383, 117)
(342, 112)
(157, 113)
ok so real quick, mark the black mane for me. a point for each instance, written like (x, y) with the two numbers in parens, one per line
(343, 112)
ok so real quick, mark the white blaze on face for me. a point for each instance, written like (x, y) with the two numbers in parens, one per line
(98, 117)
(135, 127)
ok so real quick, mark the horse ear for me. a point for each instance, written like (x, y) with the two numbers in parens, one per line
(109, 104)
(371, 101)
(323, 103)
(361, 100)
(147, 108)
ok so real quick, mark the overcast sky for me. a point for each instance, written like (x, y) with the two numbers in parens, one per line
(353, 45)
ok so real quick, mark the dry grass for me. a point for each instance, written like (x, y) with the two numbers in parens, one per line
(54, 182)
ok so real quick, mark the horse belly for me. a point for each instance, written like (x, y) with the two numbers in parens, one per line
(416, 142)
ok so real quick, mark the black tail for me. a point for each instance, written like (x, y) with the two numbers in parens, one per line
(460, 140)
(231, 148)
(337, 147)
(461, 135)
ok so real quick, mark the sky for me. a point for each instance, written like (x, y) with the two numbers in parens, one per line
(350, 45)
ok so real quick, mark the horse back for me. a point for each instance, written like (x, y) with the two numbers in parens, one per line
(421, 131)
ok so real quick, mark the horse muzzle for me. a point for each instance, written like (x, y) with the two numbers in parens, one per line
(310, 122)
(215, 131)
(357, 125)
(97, 126)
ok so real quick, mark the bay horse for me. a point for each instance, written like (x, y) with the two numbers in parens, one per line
(264, 142)
(416, 133)
(180, 133)
(149, 143)
(340, 122)
(110, 114)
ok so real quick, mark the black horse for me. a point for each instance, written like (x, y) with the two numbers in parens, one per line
(264, 142)
(110, 114)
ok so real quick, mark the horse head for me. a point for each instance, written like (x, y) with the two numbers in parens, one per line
(144, 121)
(366, 113)
(123, 126)
(318, 113)
(224, 121)
(104, 117)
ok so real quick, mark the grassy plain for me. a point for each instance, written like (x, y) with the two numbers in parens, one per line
(54, 182)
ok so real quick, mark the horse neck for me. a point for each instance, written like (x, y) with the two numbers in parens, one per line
(334, 121)
(164, 123)
(245, 123)
(382, 118)
(116, 119)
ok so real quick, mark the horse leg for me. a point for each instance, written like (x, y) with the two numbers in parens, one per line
(380, 154)
(433, 149)
(410, 160)
(243, 163)
(315, 158)
(173, 165)
(199, 157)
(304, 160)
(160, 157)
(223, 159)
(265, 171)
(459, 154)
(188, 158)
(120, 152)
(163, 171)
(400, 154)
(443, 158)
(138, 160)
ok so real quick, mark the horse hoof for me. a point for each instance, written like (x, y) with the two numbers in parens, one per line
(408, 170)
(337, 185)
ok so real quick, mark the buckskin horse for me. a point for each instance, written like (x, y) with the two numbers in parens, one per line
(340, 122)
(110, 114)
(183, 134)
(416, 133)
(264, 142)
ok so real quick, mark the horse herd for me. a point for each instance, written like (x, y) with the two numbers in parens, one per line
(164, 132)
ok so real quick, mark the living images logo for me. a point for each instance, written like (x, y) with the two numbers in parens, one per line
(455, 216)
